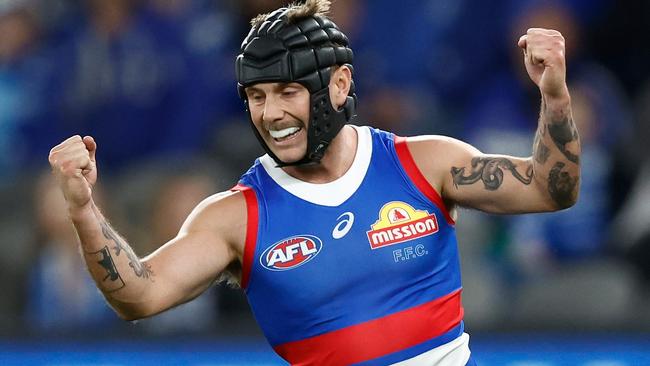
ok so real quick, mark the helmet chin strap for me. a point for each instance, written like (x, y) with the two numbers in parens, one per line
(325, 122)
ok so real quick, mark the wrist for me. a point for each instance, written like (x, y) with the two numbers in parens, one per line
(81, 213)
(558, 100)
(558, 105)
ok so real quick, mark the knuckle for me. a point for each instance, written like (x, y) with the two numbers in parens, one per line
(62, 169)
(557, 54)
(70, 170)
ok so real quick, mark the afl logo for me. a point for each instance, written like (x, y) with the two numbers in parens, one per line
(291, 252)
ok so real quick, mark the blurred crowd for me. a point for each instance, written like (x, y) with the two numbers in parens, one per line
(153, 81)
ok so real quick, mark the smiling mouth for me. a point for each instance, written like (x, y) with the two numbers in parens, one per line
(284, 134)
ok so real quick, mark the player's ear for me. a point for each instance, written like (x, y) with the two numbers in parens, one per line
(340, 83)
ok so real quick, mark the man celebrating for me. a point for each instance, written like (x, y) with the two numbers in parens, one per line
(341, 236)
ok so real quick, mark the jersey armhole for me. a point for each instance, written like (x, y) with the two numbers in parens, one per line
(252, 215)
(412, 170)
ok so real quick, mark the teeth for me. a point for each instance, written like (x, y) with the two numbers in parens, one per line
(283, 133)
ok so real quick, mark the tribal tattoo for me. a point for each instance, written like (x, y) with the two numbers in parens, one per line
(562, 133)
(112, 281)
(140, 269)
(562, 186)
(490, 171)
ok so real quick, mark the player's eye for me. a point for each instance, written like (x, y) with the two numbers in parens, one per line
(257, 98)
(289, 92)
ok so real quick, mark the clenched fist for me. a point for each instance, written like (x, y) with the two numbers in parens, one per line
(73, 164)
(545, 60)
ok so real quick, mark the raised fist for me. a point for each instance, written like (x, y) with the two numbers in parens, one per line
(545, 60)
(73, 164)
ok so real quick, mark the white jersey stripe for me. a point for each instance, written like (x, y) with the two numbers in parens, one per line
(454, 353)
(333, 193)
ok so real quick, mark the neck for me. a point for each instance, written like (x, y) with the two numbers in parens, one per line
(337, 160)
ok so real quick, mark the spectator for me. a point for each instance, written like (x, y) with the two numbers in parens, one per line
(123, 78)
(24, 72)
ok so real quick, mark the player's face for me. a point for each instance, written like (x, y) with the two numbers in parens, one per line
(280, 112)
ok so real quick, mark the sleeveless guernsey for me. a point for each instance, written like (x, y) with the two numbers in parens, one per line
(361, 270)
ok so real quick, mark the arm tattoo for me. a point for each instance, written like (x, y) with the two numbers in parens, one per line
(563, 132)
(140, 269)
(490, 171)
(541, 152)
(112, 281)
(561, 186)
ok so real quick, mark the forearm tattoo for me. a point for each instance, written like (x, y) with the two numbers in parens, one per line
(112, 281)
(562, 186)
(140, 269)
(541, 152)
(490, 172)
(563, 132)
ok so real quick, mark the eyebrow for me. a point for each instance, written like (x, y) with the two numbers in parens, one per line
(252, 89)
(278, 86)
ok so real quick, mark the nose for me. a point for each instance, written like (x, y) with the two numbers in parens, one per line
(272, 110)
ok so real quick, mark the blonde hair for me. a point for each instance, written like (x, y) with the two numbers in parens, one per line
(296, 11)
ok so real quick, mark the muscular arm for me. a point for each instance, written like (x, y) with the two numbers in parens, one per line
(556, 152)
(210, 240)
(546, 181)
(177, 272)
(107, 254)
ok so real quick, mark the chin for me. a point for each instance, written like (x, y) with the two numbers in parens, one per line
(290, 158)
(289, 155)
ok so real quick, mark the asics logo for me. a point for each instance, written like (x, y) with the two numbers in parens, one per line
(344, 225)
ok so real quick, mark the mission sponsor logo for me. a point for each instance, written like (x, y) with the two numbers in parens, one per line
(291, 252)
(399, 222)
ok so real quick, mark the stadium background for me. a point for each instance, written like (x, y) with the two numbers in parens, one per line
(153, 82)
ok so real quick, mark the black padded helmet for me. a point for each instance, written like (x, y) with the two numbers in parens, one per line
(303, 51)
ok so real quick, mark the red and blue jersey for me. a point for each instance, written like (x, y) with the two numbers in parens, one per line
(361, 270)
